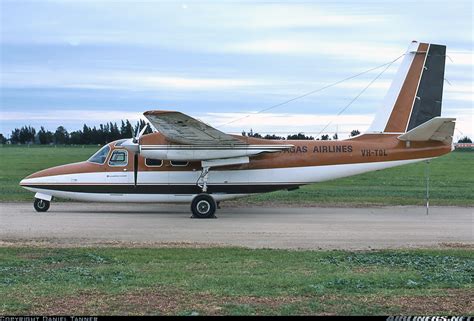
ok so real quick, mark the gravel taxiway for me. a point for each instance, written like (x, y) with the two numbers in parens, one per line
(90, 224)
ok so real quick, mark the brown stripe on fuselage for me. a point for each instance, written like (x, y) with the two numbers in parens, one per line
(362, 149)
(74, 168)
(400, 115)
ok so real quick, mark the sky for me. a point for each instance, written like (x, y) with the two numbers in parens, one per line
(75, 62)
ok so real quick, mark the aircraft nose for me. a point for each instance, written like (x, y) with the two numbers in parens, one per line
(34, 178)
(53, 174)
(24, 181)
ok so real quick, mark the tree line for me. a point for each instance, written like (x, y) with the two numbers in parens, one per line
(98, 135)
(108, 132)
(299, 136)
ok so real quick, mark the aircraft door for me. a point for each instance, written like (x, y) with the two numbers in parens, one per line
(154, 174)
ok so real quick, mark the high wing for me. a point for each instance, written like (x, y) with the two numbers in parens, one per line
(195, 140)
(183, 129)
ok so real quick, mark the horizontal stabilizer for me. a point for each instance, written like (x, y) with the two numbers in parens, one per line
(438, 128)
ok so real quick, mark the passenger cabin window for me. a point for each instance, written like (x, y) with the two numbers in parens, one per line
(119, 158)
(100, 156)
(179, 163)
(153, 162)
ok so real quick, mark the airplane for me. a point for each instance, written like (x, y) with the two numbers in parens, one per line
(187, 161)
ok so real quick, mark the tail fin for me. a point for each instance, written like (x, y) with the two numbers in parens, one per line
(416, 92)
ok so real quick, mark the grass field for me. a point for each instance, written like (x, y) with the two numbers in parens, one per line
(451, 180)
(190, 281)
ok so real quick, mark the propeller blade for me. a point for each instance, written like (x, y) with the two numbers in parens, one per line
(139, 134)
(136, 137)
(135, 169)
(142, 131)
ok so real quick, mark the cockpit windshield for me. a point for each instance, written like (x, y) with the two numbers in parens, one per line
(100, 156)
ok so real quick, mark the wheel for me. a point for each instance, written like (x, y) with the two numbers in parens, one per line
(41, 205)
(203, 206)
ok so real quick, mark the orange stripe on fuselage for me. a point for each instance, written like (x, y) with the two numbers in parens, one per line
(400, 115)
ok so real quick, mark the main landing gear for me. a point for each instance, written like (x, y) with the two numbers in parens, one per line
(203, 206)
(41, 205)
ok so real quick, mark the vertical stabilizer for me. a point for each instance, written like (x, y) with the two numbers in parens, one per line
(415, 94)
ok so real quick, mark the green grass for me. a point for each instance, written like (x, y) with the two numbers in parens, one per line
(17, 162)
(234, 281)
(451, 180)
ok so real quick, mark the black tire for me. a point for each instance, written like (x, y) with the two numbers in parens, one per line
(41, 205)
(203, 206)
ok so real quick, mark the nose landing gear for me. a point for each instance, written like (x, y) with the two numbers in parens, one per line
(41, 205)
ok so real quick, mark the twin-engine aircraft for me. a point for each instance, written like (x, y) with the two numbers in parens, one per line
(186, 160)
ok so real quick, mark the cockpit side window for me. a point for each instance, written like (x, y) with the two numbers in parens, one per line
(119, 158)
(100, 156)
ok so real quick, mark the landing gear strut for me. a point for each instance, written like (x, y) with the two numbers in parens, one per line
(41, 205)
(203, 206)
(203, 178)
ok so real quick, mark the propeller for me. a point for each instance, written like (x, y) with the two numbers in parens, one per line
(138, 134)
(135, 169)
(133, 145)
(136, 137)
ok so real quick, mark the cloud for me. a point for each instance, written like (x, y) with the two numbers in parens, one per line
(284, 16)
(69, 115)
(467, 97)
(118, 80)
(464, 121)
(460, 91)
(314, 46)
(147, 22)
(459, 58)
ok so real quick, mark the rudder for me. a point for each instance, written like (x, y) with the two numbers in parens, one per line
(415, 94)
